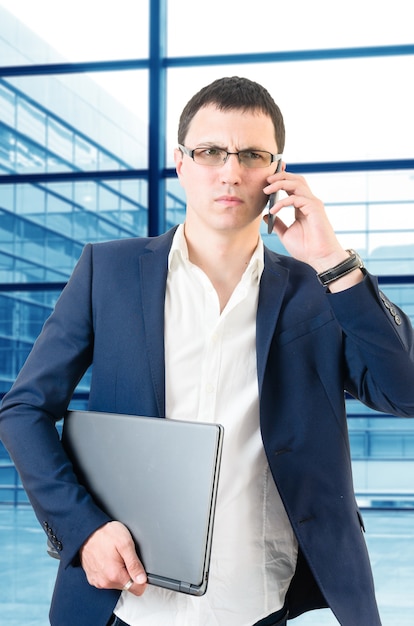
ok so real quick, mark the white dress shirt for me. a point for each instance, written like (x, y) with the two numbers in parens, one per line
(211, 376)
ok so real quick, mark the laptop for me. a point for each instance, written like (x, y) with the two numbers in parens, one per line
(159, 477)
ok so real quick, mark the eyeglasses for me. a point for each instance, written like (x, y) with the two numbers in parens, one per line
(215, 157)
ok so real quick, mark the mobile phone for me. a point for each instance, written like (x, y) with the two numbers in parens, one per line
(272, 200)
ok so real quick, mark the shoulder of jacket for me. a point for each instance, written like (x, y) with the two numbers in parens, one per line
(137, 245)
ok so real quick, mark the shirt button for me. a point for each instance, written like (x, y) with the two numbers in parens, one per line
(209, 388)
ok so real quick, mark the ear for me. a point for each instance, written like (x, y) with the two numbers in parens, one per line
(178, 160)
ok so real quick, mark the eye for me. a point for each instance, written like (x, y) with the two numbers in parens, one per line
(211, 152)
(251, 155)
(210, 155)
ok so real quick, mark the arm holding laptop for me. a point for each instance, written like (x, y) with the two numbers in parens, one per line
(77, 528)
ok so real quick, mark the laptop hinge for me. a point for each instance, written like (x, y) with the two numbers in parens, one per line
(185, 587)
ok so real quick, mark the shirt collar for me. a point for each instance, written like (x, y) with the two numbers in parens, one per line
(178, 251)
(256, 263)
(179, 254)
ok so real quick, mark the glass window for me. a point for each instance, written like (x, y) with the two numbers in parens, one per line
(7, 149)
(30, 121)
(386, 445)
(94, 121)
(175, 203)
(332, 111)
(7, 105)
(47, 231)
(233, 27)
(51, 32)
(104, 210)
(108, 200)
(86, 195)
(58, 215)
(7, 197)
(7, 263)
(358, 445)
(30, 200)
(59, 143)
(29, 157)
(7, 235)
(86, 154)
(107, 162)
(62, 191)
(391, 216)
(21, 319)
(135, 190)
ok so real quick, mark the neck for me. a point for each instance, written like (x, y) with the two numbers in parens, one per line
(222, 258)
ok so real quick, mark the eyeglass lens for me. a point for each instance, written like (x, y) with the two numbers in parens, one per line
(216, 157)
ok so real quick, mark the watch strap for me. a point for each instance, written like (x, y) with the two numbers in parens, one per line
(350, 264)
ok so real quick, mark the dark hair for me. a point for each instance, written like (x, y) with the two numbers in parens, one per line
(234, 93)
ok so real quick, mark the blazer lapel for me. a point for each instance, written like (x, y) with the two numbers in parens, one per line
(153, 270)
(272, 289)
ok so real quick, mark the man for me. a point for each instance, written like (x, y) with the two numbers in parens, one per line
(205, 321)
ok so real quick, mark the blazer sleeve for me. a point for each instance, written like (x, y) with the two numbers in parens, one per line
(39, 398)
(378, 348)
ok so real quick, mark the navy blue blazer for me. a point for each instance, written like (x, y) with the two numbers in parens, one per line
(311, 346)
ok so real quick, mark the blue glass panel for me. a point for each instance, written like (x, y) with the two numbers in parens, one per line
(7, 149)
(7, 104)
(175, 203)
(31, 121)
(59, 144)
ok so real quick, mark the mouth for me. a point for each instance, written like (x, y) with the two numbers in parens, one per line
(229, 200)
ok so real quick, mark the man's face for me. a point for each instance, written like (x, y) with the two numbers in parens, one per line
(228, 197)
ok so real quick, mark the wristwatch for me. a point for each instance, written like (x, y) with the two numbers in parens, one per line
(349, 265)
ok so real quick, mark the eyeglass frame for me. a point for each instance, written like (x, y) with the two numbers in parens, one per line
(190, 153)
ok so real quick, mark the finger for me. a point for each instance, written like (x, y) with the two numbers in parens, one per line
(136, 585)
(128, 585)
(301, 204)
(279, 227)
(134, 588)
(289, 183)
(286, 201)
(134, 568)
(137, 572)
(137, 589)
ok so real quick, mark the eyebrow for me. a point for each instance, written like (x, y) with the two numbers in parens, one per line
(212, 144)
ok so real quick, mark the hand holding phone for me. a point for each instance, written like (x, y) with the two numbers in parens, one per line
(272, 200)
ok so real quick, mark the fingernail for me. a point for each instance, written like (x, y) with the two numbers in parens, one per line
(141, 579)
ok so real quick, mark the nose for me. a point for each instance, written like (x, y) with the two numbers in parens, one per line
(230, 171)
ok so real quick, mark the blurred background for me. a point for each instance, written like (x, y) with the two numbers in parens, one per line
(90, 95)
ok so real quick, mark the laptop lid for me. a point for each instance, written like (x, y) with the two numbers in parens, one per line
(159, 477)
